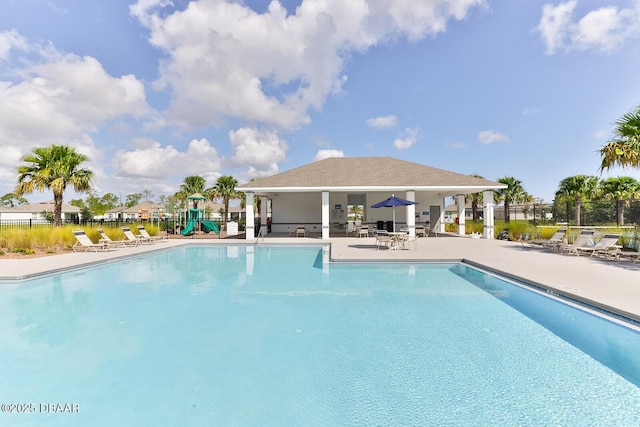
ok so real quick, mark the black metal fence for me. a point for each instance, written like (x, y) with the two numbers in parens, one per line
(170, 226)
(599, 212)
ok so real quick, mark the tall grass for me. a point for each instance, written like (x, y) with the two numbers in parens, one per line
(57, 239)
(524, 229)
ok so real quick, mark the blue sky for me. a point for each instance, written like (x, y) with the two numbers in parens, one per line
(155, 90)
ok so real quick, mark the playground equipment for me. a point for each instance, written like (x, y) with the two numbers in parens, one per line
(195, 217)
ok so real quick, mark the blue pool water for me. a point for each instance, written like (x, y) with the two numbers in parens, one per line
(208, 335)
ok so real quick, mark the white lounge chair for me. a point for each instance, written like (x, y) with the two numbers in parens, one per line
(583, 240)
(631, 255)
(84, 243)
(140, 239)
(115, 243)
(606, 247)
(553, 243)
(144, 233)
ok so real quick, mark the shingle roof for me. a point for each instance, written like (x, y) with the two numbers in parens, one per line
(352, 172)
(43, 206)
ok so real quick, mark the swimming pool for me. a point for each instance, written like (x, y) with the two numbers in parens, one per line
(212, 335)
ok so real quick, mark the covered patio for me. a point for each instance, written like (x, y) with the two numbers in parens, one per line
(325, 195)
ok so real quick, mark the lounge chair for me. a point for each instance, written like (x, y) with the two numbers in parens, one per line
(84, 243)
(630, 255)
(583, 240)
(144, 233)
(140, 239)
(553, 243)
(301, 231)
(115, 243)
(606, 247)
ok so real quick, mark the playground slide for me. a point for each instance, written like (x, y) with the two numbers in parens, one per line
(189, 228)
(210, 226)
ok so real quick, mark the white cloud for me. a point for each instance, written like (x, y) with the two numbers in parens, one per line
(457, 145)
(59, 99)
(64, 98)
(225, 60)
(408, 140)
(153, 161)
(11, 40)
(259, 149)
(383, 122)
(325, 154)
(490, 136)
(605, 29)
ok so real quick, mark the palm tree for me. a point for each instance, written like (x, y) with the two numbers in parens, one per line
(620, 189)
(225, 189)
(191, 185)
(624, 148)
(578, 188)
(53, 168)
(514, 193)
(475, 199)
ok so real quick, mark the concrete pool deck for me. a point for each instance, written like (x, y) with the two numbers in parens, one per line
(614, 286)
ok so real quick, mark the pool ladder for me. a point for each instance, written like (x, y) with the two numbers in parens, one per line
(260, 234)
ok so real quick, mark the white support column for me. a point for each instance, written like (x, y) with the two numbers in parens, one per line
(461, 214)
(249, 225)
(325, 215)
(411, 213)
(263, 215)
(487, 214)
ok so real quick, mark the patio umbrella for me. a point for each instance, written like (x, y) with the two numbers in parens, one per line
(392, 202)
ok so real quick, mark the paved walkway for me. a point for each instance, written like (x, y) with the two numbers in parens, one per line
(612, 285)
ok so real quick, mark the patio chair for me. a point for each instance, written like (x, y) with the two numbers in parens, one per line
(84, 243)
(363, 231)
(140, 239)
(583, 240)
(421, 231)
(351, 228)
(411, 240)
(301, 231)
(383, 239)
(144, 233)
(115, 243)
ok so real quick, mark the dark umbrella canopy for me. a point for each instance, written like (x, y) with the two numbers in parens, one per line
(392, 202)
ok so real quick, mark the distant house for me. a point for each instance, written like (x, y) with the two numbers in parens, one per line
(145, 211)
(35, 211)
